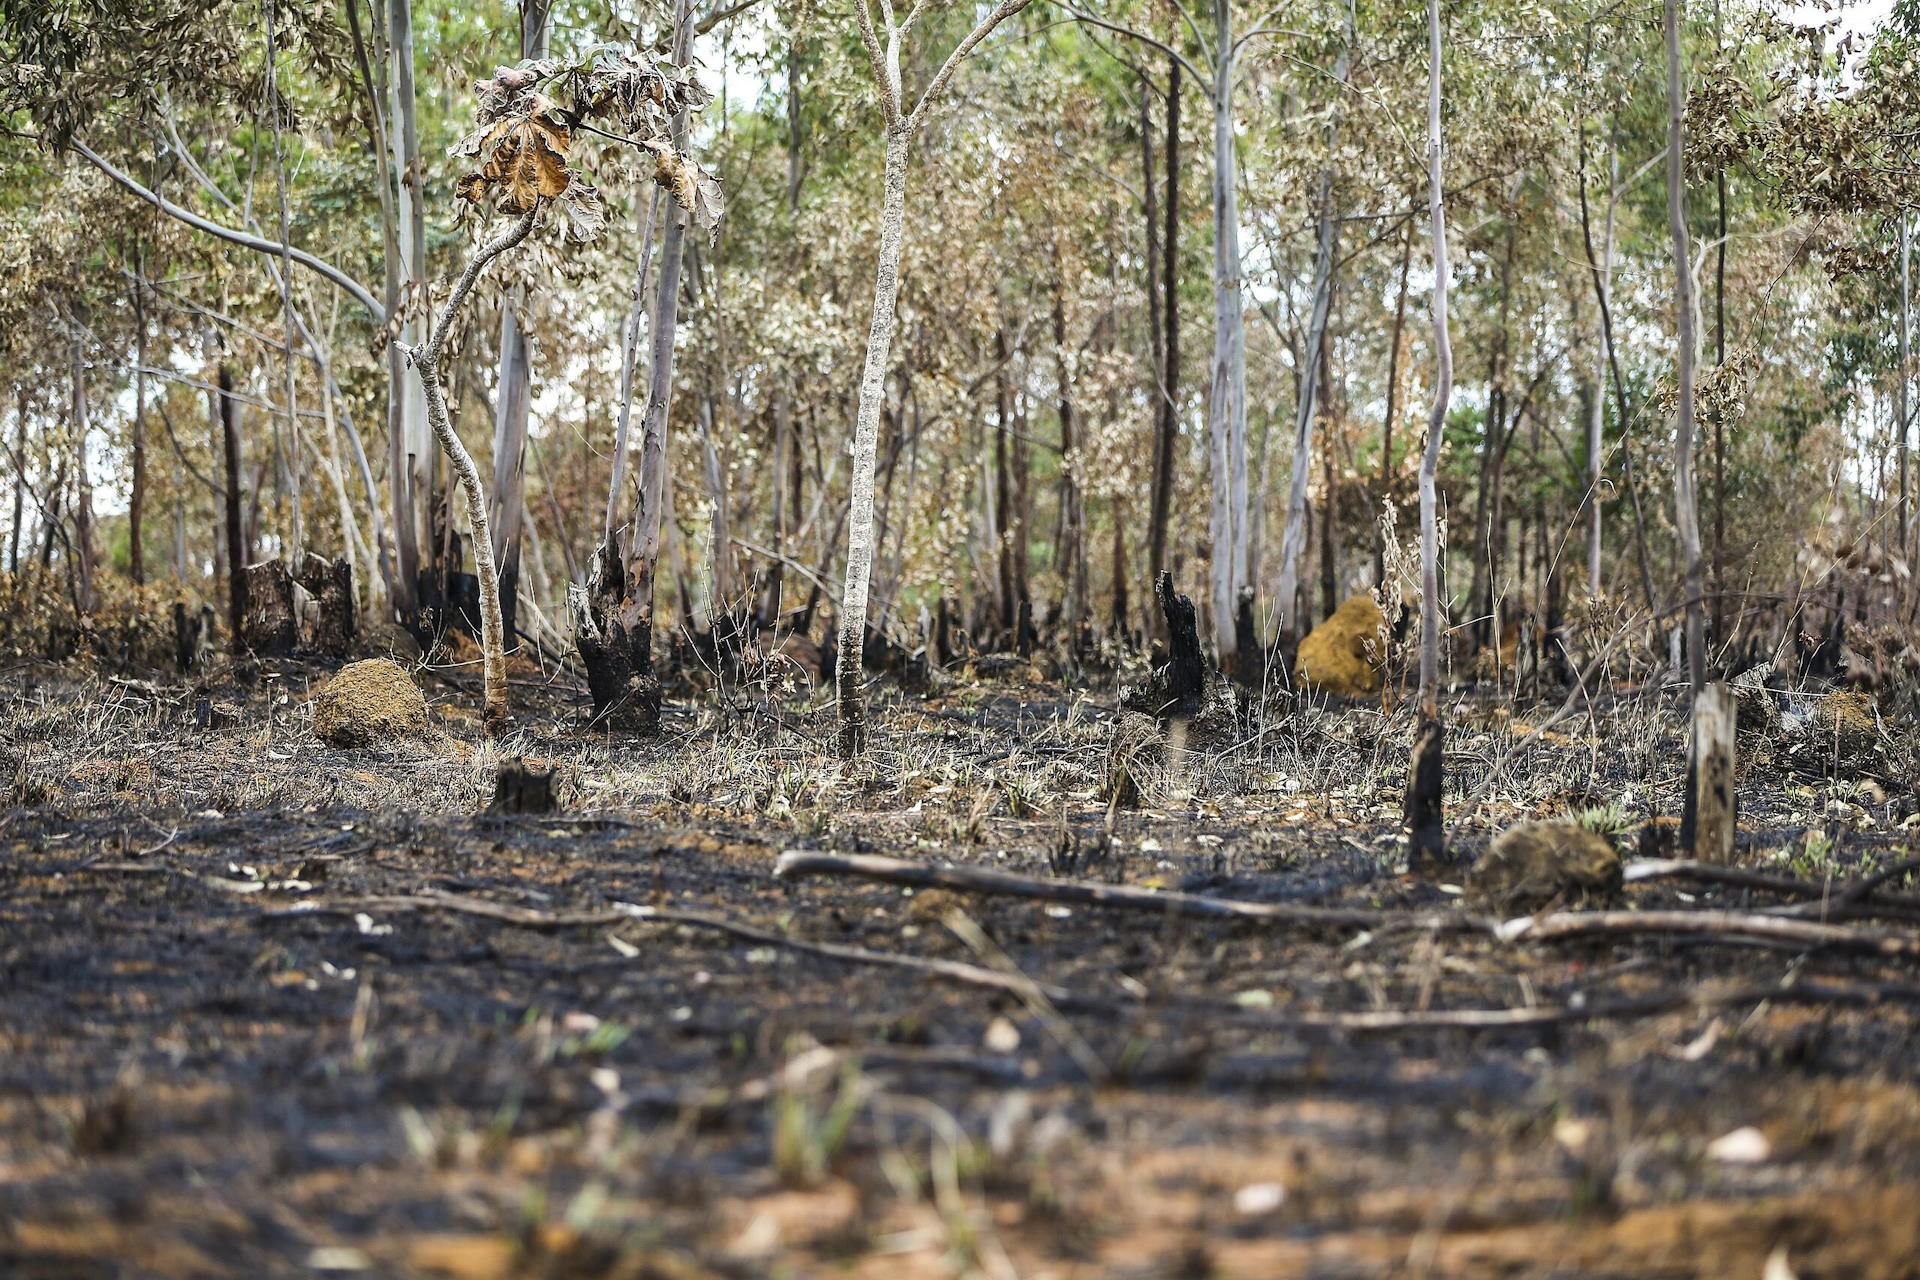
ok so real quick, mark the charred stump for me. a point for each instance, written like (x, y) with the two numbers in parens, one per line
(519, 789)
(1177, 686)
(269, 625)
(1249, 659)
(329, 584)
(1425, 819)
(313, 611)
(192, 637)
(1024, 635)
(615, 642)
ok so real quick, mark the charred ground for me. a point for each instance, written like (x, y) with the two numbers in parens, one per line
(268, 1008)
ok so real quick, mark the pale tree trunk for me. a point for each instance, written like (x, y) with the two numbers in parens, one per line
(1227, 397)
(1906, 423)
(507, 508)
(1597, 416)
(884, 61)
(296, 536)
(426, 362)
(1293, 537)
(1686, 510)
(400, 563)
(629, 355)
(1166, 422)
(137, 497)
(83, 486)
(612, 613)
(412, 453)
(866, 437)
(1425, 773)
(19, 481)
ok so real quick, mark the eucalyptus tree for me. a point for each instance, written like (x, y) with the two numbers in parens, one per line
(1294, 534)
(884, 45)
(1686, 508)
(1426, 781)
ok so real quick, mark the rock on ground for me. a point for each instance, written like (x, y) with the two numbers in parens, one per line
(1342, 655)
(368, 703)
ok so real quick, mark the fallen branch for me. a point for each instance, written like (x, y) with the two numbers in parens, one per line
(626, 913)
(796, 863)
(1377, 1021)
(1580, 1009)
(1563, 925)
(1852, 900)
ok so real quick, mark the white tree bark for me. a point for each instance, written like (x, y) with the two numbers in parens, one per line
(1906, 422)
(866, 436)
(1293, 538)
(901, 123)
(1686, 509)
(1227, 397)
(1442, 388)
(426, 362)
(414, 451)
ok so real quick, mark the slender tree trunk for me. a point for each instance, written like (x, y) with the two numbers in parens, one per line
(1686, 507)
(296, 534)
(1425, 772)
(1003, 474)
(426, 363)
(1073, 565)
(1167, 419)
(1719, 427)
(82, 486)
(1487, 526)
(1227, 397)
(236, 551)
(1596, 406)
(506, 509)
(19, 481)
(399, 564)
(886, 286)
(782, 429)
(1329, 505)
(613, 612)
(137, 495)
(1293, 537)
(629, 355)
(1393, 406)
(1905, 436)
(1602, 272)
(412, 451)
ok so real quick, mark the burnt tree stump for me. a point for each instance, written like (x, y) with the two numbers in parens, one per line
(520, 789)
(192, 637)
(268, 625)
(618, 656)
(1178, 686)
(313, 611)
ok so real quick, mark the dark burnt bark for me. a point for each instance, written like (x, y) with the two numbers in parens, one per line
(616, 646)
(1167, 423)
(1177, 686)
(1426, 830)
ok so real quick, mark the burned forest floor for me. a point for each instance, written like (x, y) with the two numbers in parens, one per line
(269, 1008)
